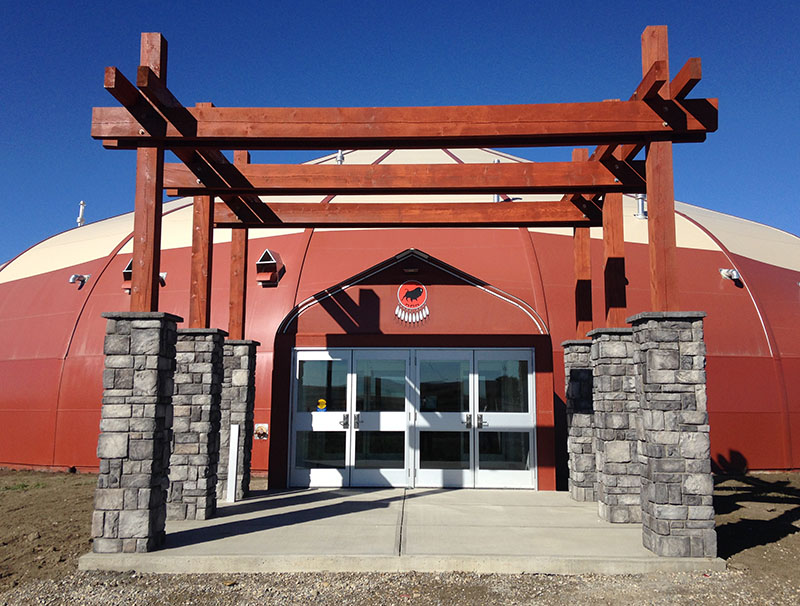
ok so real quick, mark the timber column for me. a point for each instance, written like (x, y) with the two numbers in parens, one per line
(237, 404)
(677, 501)
(580, 420)
(195, 454)
(615, 413)
(130, 506)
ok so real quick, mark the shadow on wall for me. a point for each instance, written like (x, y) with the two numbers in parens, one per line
(753, 510)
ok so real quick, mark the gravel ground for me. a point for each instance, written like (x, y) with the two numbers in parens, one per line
(758, 519)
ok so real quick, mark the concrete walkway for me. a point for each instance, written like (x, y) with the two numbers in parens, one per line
(395, 530)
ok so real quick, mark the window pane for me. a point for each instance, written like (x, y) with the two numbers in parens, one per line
(322, 385)
(320, 449)
(444, 450)
(503, 385)
(444, 385)
(381, 385)
(504, 450)
(380, 449)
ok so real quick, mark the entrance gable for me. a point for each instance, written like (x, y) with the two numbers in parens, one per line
(413, 293)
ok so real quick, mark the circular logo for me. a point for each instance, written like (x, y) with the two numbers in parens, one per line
(412, 295)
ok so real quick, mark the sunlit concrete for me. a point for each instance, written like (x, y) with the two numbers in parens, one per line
(389, 530)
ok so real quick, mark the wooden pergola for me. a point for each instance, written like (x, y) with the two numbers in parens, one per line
(151, 120)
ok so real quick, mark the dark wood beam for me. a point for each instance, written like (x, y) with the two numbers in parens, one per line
(660, 193)
(614, 280)
(581, 241)
(686, 79)
(324, 179)
(238, 284)
(148, 200)
(202, 262)
(411, 127)
(415, 214)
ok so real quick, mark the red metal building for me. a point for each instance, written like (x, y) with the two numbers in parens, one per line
(470, 292)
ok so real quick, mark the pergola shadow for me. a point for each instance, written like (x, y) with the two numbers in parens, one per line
(315, 507)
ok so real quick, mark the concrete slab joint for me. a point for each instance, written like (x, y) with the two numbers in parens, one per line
(135, 431)
(580, 420)
(196, 424)
(616, 409)
(677, 502)
(237, 402)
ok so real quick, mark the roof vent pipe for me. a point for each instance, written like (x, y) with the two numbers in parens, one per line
(81, 219)
(641, 213)
(339, 157)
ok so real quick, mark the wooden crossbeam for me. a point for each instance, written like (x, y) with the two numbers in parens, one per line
(411, 127)
(325, 179)
(415, 214)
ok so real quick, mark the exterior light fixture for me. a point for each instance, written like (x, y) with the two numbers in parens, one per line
(269, 269)
(730, 274)
(79, 279)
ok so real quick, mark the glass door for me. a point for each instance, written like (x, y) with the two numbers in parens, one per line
(504, 438)
(380, 437)
(443, 454)
(321, 439)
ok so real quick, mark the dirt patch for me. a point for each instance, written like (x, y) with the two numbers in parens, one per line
(46, 525)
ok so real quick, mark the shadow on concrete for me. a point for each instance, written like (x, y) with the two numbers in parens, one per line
(317, 510)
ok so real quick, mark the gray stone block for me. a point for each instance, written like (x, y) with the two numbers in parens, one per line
(112, 445)
(134, 524)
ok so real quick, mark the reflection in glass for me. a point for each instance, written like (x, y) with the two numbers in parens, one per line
(504, 450)
(322, 385)
(444, 450)
(381, 385)
(319, 449)
(444, 385)
(380, 449)
(503, 385)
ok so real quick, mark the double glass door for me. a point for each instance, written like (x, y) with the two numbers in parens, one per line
(413, 417)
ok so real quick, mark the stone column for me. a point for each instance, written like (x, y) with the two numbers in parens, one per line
(133, 447)
(237, 403)
(677, 501)
(195, 452)
(615, 413)
(580, 422)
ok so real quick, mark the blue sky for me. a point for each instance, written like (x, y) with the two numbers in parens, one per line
(385, 54)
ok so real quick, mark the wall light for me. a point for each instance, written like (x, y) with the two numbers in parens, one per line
(730, 274)
(79, 279)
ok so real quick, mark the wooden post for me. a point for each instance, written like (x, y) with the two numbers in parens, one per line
(202, 262)
(614, 280)
(660, 191)
(583, 268)
(148, 201)
(238, 292)
(202, 258)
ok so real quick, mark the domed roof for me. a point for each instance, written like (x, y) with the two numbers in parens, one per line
(696, 227)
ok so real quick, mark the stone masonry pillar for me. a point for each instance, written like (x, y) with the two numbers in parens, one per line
(237, 404)
(133, 447)
(580, 423)
(195, 452)
(615, 416)
(677, 501)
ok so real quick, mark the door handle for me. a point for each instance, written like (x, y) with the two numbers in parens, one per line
(356, 420)
(468, 422)
(345, 422)
(481, 422)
